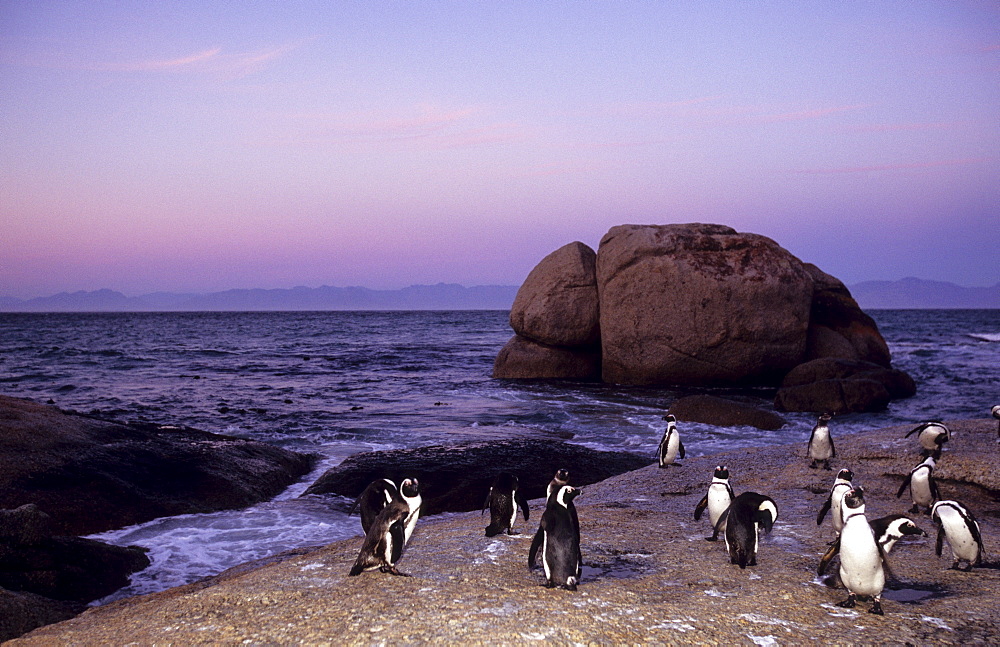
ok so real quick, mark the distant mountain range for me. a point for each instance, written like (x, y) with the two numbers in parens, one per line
(909, 293)
(443, 296)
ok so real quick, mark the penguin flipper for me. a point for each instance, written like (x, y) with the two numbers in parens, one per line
(906, 484)
(831, 552)
(521, 502)
(939, 544)
(486, 503)
(398, 534)
(823, 511)
(700, 508)
(536, 543)
(934, 489)
(721, 523)
(680, 448)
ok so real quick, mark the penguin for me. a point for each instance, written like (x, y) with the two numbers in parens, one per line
(958, 524)
(558, 537)
(862, 562)
(670, 445)
(559, 479)
(841, 485)
(748, 513)
(409, 491)
(376, 496)
(503, 500)
(719, 497)
(888, 530)
(932, 435)
(923, 489)
(820, 447)
(384, 541)
(996, 414)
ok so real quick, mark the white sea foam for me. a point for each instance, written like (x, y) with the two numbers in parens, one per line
(985, 336)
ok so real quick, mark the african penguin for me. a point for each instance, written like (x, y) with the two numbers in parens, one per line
(820, 447)
(384, 541)
(376, 496)
(958, 524)
(888, 530)
(560, 479)
(996, 414)
(503, 500)
(670, 445)
(932, 436)
(841, 485)
(719, 497)
(748, 513)
(558, 537)
(409, 489)
(861, 559)
(923, 489)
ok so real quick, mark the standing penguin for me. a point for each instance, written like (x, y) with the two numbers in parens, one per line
(888, 530)
(409, 491)
(862, 562)
(560, 479)
(558, 537)
(670, 445)
(957, 523)
(748, 513)
(923, 489)
(996, 414)
(384, 541)
(503, 500)
(820, 446)
(717, 500)
(932, 436)
(376, 496)
(841, 486)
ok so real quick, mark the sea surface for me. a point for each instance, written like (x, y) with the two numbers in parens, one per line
(337, 383)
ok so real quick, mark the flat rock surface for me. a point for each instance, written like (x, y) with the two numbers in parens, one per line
(650, 577)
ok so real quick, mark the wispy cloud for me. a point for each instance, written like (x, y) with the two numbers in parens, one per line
(805, 115)
(903, 127)
(150, 65)
(894, 167)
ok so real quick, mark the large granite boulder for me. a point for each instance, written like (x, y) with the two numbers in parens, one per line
(837, 325)
(20, 612)
(699, 305)
(34, 560)
(722, 412)
(457, 478)
(834, 385)
(93, 475)
(557, 304)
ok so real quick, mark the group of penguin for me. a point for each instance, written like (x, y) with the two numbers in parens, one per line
(389, 514)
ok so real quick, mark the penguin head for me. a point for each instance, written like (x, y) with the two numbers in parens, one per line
(845, 475)
(410, 487)
(825, 418)
(996, 412)
(566, 494)
(562, 476)
(721, 472)
(906, 527)
(670, 418)
(855, 499)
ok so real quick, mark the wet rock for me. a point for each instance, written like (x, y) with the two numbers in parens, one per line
(842, 386)
(721, 412)
(457, 478)
(21, 612)
(93, 475)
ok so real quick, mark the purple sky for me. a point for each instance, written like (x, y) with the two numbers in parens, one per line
(193, 146)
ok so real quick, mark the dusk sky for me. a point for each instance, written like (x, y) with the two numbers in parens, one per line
(202, 146)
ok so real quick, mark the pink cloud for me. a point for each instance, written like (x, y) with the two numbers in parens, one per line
(144, 66)
(886, 128)
(894, 167)
(803, 115)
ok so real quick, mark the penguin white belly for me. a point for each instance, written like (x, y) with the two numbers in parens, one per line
(920, 489)
(860, 562)
(820, 447)
(837, 512)
(513, 512)
(545, 556)
(963, 544)
(718, 502)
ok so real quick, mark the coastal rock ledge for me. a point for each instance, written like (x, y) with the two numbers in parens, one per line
(693, 305)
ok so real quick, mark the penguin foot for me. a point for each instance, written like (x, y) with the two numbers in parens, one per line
(712, 538)
(812, 465)
(826, 465)
(915, 509)
(849, 603)
(876, 608)
(391, 570)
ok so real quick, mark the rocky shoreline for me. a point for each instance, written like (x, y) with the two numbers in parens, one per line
(650, 577)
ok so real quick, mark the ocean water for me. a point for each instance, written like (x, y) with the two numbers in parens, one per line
(337, 383)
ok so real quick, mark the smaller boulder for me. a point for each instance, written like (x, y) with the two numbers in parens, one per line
(522, 358)
(842, 386)
(712, 410)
